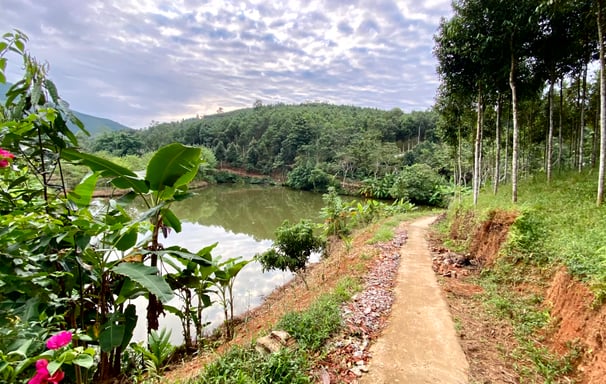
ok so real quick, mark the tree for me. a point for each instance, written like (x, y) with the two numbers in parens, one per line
(293, 246)
(601, 4)
(120, 143)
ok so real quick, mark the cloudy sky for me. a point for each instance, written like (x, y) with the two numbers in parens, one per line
(135, 61)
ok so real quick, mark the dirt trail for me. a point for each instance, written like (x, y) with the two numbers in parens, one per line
(419, 344)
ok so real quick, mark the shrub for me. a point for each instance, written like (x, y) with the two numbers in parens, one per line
(418, 184)
(308, 178)
(293, 247)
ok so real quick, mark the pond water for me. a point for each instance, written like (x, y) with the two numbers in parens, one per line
(242, 219)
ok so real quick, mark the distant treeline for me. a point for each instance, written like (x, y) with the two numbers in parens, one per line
(317, 141)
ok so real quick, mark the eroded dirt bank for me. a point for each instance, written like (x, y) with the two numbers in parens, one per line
(576, 327)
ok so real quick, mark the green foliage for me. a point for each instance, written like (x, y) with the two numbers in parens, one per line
(244, 365)
(346, 288)
(526, 237)
(335, 214)
(275, 139)
(292, 248)
(224, 279)
(378, 188)
(311, 328)
(119, 143)
(417, 183)
(308, 178)
(382, 235)
(193, 274)
(158, 353)
(61, 249)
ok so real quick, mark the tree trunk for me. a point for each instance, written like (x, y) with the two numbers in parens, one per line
(497, 156)
(154, 306)
(550, 133)
(560, 124)
(514, 144)
(600, 197)
(506, 148)
(582, 127)
(459, 160)
(477, 158)
(594, 142)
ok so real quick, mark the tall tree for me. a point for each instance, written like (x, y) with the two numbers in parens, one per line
(601, 30)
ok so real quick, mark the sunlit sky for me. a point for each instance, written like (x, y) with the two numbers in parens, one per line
(138, 61)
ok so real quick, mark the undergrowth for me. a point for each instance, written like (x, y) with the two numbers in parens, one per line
(310, 328)
(557, 224)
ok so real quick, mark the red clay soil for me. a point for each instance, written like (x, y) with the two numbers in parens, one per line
(490, 235)
(577, 325)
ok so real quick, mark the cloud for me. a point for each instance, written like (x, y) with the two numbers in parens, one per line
(138, 61)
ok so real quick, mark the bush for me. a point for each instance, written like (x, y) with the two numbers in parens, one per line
(308, 178)
(417, 183)
(293, 246)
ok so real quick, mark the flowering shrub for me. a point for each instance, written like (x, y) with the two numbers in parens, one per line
(59, 340)
(42, 375)
(5, 157)
(48, 364)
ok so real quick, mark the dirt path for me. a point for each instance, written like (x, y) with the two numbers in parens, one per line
(419, 345)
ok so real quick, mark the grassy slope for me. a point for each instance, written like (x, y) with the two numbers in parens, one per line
(558, 224)
(561, 223)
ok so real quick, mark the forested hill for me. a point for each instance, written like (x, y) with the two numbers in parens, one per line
(93, 124)
(343, 141)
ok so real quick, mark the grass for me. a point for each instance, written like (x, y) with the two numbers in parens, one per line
(244, 365)
(557, 224)
(310, 328)
(560, 224)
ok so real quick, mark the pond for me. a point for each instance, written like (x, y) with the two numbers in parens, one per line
(242, 220)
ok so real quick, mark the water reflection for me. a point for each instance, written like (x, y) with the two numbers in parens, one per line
(253, 210)
(242, 219)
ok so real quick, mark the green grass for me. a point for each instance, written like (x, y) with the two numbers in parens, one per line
(311, 329)
(557, 224)
(244, 365)
(561, 224)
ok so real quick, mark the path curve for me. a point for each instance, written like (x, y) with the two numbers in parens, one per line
(419, 344)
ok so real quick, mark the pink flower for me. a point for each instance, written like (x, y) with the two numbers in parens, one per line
(5, 156)
(59, 340)
(42, 375)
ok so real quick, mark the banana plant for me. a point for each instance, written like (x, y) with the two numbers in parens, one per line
(224, 279)
(192, 281)
(166, 180)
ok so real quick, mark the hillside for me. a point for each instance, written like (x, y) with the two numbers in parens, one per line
(94, 125)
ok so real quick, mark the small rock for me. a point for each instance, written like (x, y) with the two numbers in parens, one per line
(273, 342)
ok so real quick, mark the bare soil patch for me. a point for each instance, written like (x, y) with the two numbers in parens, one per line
(577, 325)
(490, 235)
(486, 342)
